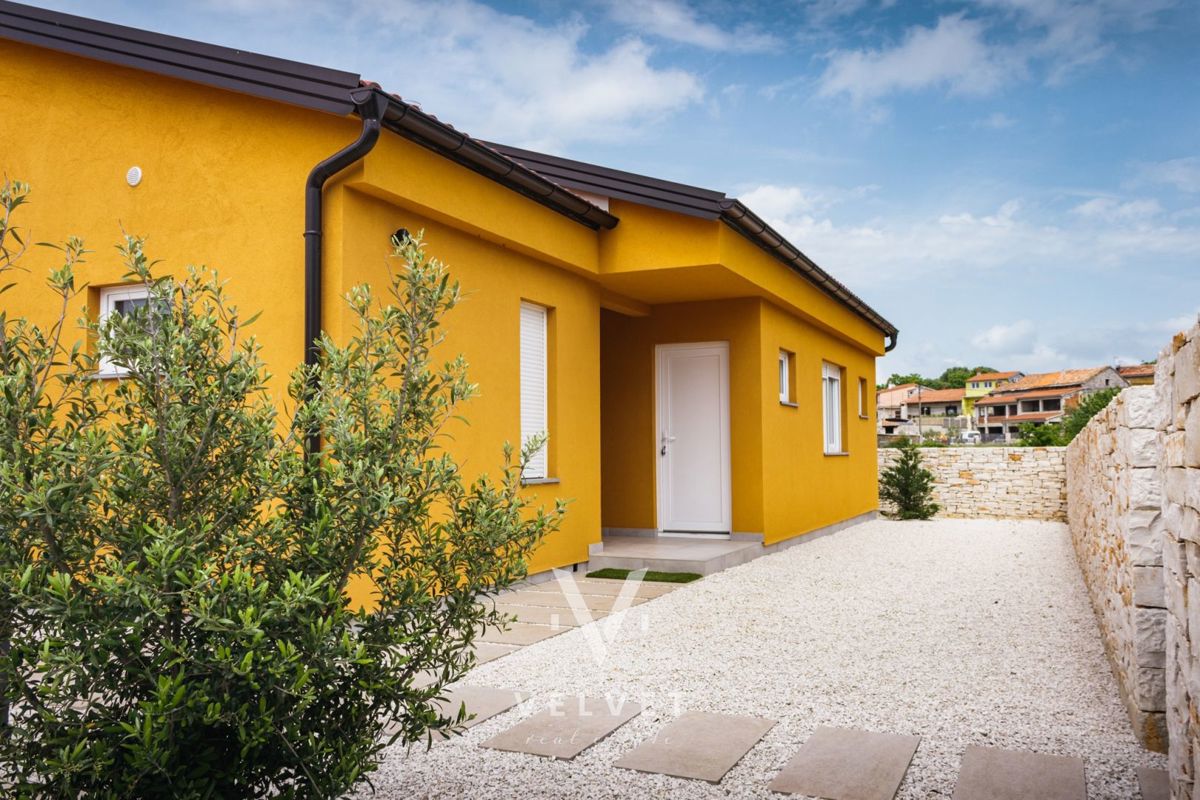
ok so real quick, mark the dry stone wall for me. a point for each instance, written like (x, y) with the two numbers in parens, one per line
(1018, 482)
(1113, 500)
(1177, 386)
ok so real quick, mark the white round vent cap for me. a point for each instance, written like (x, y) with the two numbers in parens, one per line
(134, 176)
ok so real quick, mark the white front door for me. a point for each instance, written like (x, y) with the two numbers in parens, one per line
(692, 444)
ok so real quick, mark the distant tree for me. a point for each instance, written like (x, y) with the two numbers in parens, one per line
(896, 379)
(1088, 407)
(908, 486)
(951, 378)
(956, 377)
(1049, 435)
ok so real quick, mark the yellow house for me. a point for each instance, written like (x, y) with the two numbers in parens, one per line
(984, 383)
(695, 372)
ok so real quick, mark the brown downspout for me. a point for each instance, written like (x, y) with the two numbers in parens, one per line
(371, 107)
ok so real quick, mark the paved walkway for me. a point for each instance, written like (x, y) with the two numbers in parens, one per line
(964, 646)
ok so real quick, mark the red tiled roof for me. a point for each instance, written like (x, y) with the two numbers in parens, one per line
(1043, 380)
(992, 376)
(1012, 397)
(1033, 416)
(1136, 371)
(939, 395)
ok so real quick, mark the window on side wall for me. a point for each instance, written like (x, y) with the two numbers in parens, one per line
(120, 300)
(533, 366)
(787, 378)
(862, 397)
(831, 385)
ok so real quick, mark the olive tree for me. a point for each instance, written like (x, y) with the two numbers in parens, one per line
(175, 555)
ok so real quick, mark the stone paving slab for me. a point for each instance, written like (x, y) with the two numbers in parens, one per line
(605, 587)
(698, 745)
(490, 651)
(848, 764)
(990, 773)
(529, 597)
(1154, 783)
(548, 615)
(565, 730)
(484, 702)
(520, 634)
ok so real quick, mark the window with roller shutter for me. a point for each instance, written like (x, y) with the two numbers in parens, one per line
(533, 386)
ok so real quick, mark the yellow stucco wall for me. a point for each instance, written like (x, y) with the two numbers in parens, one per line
(783, 484)
(223, 185)
(628, 450)
(804, 489)
(484, 328)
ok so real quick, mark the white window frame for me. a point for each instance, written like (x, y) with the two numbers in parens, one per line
(785, 377)
(109, 297)
(831, 408)
(862, 397)
(534, 386)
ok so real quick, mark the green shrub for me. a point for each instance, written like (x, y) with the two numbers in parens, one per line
(1075, 419)
(908, 486)
(1088, 407)
(1045, 435)
(174, 562)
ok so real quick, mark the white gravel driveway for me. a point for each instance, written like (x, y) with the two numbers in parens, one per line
(960, 632)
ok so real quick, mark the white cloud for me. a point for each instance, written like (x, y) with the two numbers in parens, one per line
(953, 54)
(1182, 173)
(1073, 34)
(1113, 210)
(885, 253)
(1002, 41)
(457, 58)
(1015, 337)
(678, 22)
(823, 11)
(494, 74)
(996, 121)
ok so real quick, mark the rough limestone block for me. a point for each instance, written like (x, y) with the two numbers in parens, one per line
(1191, 430)
(1140, 406)
(1187, 372)
(1150, 688)
(1148, 587)
(1175, 484)
(1150, 635)
(1141, 447)
(1145, 491)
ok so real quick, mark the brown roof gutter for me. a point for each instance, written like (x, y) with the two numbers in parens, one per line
(735, 214)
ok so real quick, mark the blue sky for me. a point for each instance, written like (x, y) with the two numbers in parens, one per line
(1012, 182)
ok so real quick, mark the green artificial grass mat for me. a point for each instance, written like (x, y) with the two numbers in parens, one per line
(661, 577)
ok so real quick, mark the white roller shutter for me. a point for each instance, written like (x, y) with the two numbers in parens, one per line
(533, 384)
(832, 384)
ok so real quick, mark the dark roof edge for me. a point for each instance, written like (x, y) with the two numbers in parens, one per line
(642, 189)
(426, 130)
(739, 217)
(224, 67)
(293, 82)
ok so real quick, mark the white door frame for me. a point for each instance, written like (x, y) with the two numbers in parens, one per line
(725, 525)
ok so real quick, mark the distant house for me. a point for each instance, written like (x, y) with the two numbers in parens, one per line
(892, 406)
(1039, 399)
(913, 409)
(983, 384)
(1137, 374)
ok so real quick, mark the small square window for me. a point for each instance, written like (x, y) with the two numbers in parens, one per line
(122, 300)
(787, 377)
